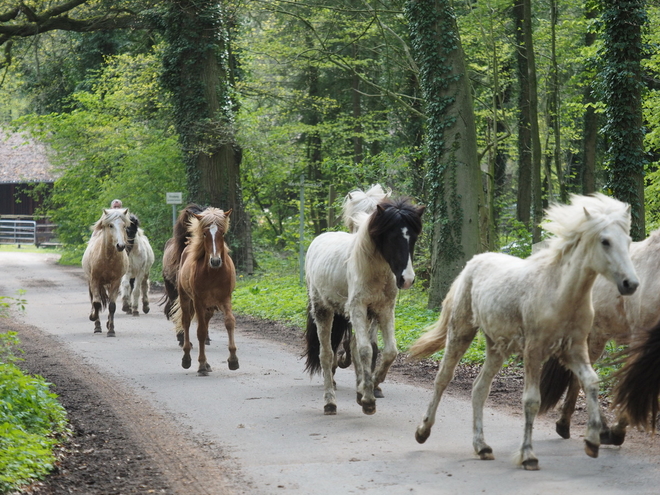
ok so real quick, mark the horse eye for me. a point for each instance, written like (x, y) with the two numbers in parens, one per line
(605, 242)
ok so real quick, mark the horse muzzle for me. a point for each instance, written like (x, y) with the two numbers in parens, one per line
(215, 262)
(121, 247)
(627, 287)
(404, 282)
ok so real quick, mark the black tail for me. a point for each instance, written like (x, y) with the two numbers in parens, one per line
(555, 379)
(340, 326)
(169, 296)
(638, 387)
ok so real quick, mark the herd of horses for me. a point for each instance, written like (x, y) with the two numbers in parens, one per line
(557, 309)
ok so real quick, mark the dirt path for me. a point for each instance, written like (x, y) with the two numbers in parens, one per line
(128, 439)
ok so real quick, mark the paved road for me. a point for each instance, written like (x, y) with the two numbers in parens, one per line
(266, 419)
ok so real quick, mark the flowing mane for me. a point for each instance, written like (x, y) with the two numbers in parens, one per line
(583, 218)
(200, 222)
(358, 205)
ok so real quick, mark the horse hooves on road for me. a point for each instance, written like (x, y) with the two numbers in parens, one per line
(422, 435)
(378, 393)
(591, 449)
(609, 437)
(531, 465)
(486, 454)
(564, 431)
(233, 365)
(369, 408)
(330, 409)
(111, 333)
(186, 361)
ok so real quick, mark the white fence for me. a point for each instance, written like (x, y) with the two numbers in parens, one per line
(27, 232)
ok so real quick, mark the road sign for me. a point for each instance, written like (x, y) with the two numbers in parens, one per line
(173, 198)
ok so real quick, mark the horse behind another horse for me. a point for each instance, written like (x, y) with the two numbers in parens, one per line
(136, 279)
(105, 261)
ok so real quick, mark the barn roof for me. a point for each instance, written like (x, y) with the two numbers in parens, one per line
(23, 159)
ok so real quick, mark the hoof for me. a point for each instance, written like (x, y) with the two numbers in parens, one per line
(201, 372)
(179, 338)
(369, 408)
(610, 437)
(98, 330)
(135, 312)
(233, 364)
(563, 430)
(359, 398)
(378, 393)
(421, 435)
(591, 449)
(486, 454)
(186, 361)
(343, 359)
(111, 333)
(207, 341)
(145, 308)
(330, 409)
(531, 465)
(126, 308)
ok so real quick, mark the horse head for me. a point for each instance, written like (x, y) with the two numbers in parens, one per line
(394, 227)
(600, 226)
(212, 225)
(114, 222)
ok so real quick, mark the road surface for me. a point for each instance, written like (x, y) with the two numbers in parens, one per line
(263, 425)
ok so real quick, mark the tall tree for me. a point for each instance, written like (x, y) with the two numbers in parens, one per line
(622, 53)
(453, 169)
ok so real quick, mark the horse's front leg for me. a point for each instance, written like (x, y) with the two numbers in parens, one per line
(113, 293)
(563, 424)
(183, 327)
(363, 353)
(144, 289)
(203, 317)
(386, 323)
(230, 324)
(136, 284)
(95, 299)
(531, 405)
(323, 319)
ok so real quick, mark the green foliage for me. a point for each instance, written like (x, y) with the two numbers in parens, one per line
(115, 142)
(31, 419)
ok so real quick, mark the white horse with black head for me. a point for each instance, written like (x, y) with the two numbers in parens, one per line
(354, 278)
(135, 282)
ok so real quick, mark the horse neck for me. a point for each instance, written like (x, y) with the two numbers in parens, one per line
(365, 255)
(574, 274)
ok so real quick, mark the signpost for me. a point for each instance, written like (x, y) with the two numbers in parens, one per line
(174, 199)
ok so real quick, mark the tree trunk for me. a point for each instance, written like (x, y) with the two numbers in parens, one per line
(623, 52)
(524, 204)
(537, 197)
(453, 170)
(197, 72)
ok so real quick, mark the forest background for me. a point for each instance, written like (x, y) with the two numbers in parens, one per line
(485, 111)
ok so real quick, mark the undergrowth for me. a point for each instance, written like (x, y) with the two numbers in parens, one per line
(32, 421)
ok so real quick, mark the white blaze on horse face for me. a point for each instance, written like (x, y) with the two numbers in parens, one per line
(408, 274)
(119, 234)
(214, 259)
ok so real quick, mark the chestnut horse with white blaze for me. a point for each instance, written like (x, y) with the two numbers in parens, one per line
(205, 282)
(104, 262)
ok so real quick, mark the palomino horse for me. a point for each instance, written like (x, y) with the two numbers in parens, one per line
(105, 261)
(135, 281)
(638, 387)
(205, 282)
(355, 278)
(617, 318)
(539, 306)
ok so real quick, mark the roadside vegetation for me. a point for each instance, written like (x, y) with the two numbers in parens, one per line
(32, 421)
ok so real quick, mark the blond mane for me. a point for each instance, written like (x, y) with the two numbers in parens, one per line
(202, 221)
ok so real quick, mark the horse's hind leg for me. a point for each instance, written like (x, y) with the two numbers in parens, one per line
(386, 323)
(230, 325)
(563, 424)
(203, 318)
(136, 284)
(456, 347)
(96, 310)
(323, 319)
(112, 307)
(480, 391)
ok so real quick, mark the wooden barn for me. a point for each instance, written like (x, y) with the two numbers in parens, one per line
(23, 164)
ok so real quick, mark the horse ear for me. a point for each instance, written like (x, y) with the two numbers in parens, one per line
(421, 209)
(228, 212)
(586, 213)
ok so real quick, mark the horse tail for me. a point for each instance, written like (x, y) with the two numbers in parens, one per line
(638, 387)
(435, 337)
(340, 327)
(555, 379)
(168, 299)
